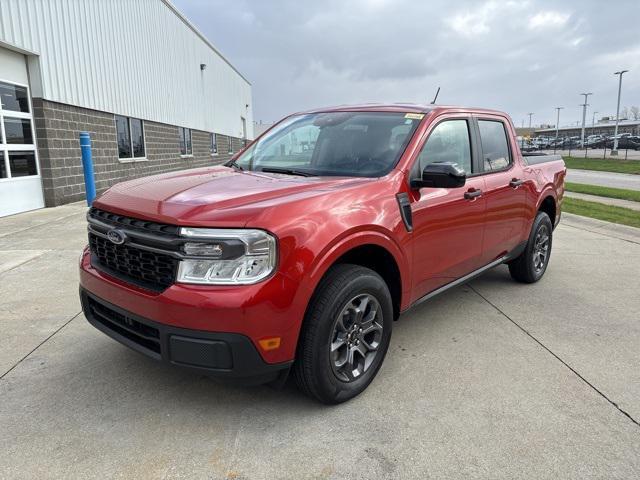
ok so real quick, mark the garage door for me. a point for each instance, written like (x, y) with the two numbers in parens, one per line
(20, 183)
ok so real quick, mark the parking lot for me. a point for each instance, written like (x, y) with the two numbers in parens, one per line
(493, 379)
(595, 153)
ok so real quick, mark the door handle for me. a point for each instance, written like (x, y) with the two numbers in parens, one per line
(515, 182)
(471, 194)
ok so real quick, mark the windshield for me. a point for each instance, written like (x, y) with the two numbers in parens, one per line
(358, 144)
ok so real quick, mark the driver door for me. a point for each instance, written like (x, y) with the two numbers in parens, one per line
(448, 223)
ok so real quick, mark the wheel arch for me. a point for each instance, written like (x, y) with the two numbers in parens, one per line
(372, 250)
(549, 205)
(381, 261)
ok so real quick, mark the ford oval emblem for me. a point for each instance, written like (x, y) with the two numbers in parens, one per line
(117, 236)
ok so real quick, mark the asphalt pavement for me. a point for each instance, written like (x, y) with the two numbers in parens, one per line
(493, 379)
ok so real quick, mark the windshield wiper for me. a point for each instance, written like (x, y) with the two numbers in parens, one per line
(286, 171)
(234, 164)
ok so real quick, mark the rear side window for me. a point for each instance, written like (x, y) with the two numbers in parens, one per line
(448, 142)
(495, 148)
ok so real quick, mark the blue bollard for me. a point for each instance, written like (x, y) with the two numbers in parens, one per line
(87, 167)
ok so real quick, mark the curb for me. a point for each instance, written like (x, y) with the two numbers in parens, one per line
(615, 230)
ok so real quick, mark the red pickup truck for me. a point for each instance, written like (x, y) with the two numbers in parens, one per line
(300, 253)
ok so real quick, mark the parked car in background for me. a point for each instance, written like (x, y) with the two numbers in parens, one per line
(596, 141)
(300, 258)
(566, 143)
(624, 142)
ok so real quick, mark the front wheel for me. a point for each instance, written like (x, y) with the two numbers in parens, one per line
(345, 335)
(530, 266)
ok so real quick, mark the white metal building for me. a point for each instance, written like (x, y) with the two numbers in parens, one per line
(599, 128)
(153, 91)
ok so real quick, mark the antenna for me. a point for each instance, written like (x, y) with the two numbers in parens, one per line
(435, 98)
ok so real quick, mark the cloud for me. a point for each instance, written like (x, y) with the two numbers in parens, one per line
(517, 56)
(548, 19)
(475, 22)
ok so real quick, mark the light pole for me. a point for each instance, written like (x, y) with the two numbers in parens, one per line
(615, 134)
(584, 115)
(558, 122)
(530, 115)
(593, 123)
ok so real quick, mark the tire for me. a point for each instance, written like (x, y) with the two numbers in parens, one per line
(530, 266)
(328, 337)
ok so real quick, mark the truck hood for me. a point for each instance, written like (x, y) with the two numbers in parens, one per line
(213, 196)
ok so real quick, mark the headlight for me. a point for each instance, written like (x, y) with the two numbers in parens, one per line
(236, 257)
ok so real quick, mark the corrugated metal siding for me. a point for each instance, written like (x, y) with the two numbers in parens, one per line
(131, 57)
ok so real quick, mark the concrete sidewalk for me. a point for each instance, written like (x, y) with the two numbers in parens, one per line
(493, 379)
(616, 202)
(604, 179)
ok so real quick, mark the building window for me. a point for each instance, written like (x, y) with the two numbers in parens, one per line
(130, 135)
(22, 164)
(137, 137)
(230, 145)
(185, 141)
(18, 131)
(214, 145)
(124, 137)
(18, 156)
(14, 98)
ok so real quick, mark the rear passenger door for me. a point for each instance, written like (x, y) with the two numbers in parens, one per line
(503, 191)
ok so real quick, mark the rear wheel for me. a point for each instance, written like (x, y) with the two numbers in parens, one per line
(345, 334)
(530, 266)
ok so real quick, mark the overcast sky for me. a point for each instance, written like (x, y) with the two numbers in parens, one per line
(516, 56)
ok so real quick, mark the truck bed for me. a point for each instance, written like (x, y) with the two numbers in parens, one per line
(537, 158)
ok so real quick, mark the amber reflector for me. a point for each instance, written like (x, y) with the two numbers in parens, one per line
(269, 343)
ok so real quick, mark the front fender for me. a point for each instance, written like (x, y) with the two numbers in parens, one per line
(352, 240)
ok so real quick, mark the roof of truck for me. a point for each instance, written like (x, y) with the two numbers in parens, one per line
(401, 108)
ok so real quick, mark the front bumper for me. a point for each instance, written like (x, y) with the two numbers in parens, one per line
(217, 354)
(273, 308)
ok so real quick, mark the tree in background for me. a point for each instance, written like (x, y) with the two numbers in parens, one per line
(624, 113)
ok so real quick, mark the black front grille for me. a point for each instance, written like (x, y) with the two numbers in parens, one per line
(142, 260)
(144, 335)
(128, 223)
(150, 270)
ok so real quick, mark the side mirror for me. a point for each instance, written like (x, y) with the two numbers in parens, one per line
(441, 175)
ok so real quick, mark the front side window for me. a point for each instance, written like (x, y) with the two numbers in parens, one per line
(214, 145)
(185, 141)
(355, 144)
(448, 142)
(495, 148)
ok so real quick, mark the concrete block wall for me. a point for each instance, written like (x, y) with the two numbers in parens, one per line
(58, 127)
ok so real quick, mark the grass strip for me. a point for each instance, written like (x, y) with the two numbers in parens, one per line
(620, 193)
(615, 165)
(608, 213)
